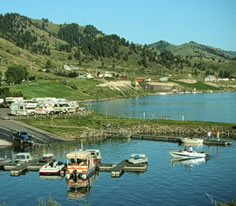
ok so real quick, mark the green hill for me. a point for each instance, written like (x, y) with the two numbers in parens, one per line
(44, 48)
(193, 49)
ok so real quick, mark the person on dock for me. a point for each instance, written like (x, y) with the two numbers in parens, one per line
(190, 149)
(218, 135)
(209, 135)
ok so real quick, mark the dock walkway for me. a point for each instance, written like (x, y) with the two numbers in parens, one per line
(124, 166)
(178, 139)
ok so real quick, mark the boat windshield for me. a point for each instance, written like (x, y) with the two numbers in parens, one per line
(21, 157)
(137, 157)
(78, 161)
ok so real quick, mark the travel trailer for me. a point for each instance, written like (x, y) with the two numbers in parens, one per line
(10, 100)
(44, 109)
(23, 108)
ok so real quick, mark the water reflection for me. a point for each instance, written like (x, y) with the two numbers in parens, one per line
(51, 177)
(187, 162)
(80, 188)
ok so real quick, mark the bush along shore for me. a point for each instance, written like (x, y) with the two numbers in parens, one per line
(95, 125)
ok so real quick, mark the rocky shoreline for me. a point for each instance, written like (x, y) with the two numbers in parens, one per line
(225, 132)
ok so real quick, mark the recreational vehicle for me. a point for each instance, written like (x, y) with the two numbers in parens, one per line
(23, 108)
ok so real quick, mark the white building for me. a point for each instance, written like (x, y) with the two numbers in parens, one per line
(210, 78)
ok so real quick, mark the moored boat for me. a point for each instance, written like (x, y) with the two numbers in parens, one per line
(23, 157)
(51, 169)
(187, 154)
(96, 155)
(48, 157)
(191, 140)
(80, 164)
(138, 159)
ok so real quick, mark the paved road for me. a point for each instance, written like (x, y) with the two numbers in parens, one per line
(9, 126)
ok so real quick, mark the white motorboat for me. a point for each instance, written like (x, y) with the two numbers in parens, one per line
(48, 157)
(138, 159)
(186, 154)
(191, 140)
(96, 155)
(23, 157)
(80, 164)
(51, 168)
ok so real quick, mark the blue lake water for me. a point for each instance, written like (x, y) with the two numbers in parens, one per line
(216, 107)
(164, 183)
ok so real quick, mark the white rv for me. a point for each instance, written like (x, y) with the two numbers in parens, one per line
(10, 100)
(44, 109)
(23, 108)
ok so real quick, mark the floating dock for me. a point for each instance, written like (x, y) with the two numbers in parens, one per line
(217, 143)
(177, 139)
(20, 169)
(156, 138)
(124, 166)
(17, 169)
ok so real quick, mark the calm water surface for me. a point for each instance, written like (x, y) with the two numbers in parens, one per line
(216, 107)
(164, 183)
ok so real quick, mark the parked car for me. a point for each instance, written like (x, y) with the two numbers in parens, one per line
(22, 136)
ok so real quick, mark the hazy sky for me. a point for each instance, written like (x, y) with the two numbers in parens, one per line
(209, 22)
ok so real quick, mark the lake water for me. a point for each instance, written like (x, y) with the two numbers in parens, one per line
(216, 107)
(164, 183)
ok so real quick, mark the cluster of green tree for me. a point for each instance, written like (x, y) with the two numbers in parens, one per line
(16, 74)
(224, 74)
(5, 92)
(67, 74)
(13, 27)
(167, 59)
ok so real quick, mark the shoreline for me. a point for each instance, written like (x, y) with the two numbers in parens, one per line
(150, 94)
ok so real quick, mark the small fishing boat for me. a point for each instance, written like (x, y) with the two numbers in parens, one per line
(187, 155)
(80, 164)
(138, 159)
(96, 155)
(51, 169)
(191, 140)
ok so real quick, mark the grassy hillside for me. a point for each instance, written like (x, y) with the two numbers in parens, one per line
(79, 89)
(35, 43)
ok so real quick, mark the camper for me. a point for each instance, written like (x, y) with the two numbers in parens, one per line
(10, 100)
(23, 108)
(61, 107)
(44, 109)
(74, 106)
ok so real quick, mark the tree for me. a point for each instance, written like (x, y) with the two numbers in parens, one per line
(48, 64)
(16, 74)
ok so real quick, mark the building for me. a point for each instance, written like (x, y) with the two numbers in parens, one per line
(210, 78)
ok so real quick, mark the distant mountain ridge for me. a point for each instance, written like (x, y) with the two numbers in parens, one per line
(193, 49)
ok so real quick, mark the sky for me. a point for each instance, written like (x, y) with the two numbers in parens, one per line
(208, 22)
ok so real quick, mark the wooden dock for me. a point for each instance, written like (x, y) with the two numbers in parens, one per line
(211, 142)
(17, 169)
(156, 138)
(217, 143)
(4, 161)
(124, 166)
(118, 170)
(20, 169)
